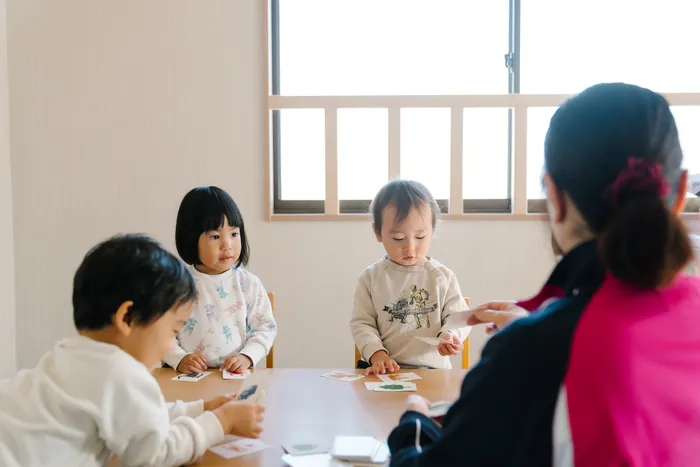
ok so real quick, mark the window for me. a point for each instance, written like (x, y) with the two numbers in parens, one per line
(368, 90)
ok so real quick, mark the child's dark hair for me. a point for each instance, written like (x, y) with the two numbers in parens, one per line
(132, 268)
(614, 149)
(404, 195)
(202, 210)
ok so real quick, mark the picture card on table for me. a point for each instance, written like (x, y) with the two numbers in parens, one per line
(229, 375)
(343, 376)
(305, 449)
(234, 446)
(191, 377)
(399, 377)
(391, 387)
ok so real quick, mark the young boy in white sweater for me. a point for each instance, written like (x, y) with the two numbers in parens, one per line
(406, 294)
(93, 396)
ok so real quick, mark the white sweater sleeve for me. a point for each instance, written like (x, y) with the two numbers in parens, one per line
(175, 355)
(363, 323)
(454, 302)
(135, 424)
(262, 328)
(189, 409)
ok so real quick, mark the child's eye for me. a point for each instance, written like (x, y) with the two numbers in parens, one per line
(214, 237)
(397, 239)
(421, 238)
(235, 234)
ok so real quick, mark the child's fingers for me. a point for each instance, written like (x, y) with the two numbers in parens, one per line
(199, 362)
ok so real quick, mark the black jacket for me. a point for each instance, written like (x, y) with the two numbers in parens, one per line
(504, 414)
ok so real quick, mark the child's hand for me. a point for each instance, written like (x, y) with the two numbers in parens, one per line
(237, 364)
(381, 363)
(241, 418)
(496, 314)
(192, 363)
(451, 344)
(218, 401)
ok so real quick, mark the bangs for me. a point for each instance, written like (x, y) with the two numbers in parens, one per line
(214, 209)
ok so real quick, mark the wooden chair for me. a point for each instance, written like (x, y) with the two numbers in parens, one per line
(465, 352)
(270, 360)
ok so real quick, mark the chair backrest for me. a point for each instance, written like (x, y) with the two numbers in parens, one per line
(465, 352)
(270, 360)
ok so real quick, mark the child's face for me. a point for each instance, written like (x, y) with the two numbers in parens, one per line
(407, 243)
(219, 249)
(150, 343)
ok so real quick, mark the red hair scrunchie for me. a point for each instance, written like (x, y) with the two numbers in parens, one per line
(640, 176)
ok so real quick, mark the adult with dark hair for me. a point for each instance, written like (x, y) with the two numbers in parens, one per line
(612, 342)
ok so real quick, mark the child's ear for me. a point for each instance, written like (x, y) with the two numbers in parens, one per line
(376, 234)
(123, 320)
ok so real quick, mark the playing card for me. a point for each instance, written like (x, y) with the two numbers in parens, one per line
(235, 447)
(313, 460)
(399, 377)
(439, 408)
(343, 376)
(228, 375)
(391, 387)
(457, 319)
(192, 377)
(431, 340)
(254, 387)
(303, 449)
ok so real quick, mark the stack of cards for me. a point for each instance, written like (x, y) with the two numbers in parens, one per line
(391, 387)
(228, 375)
(360, 450)
(192, 377)
(343, 376)
(314, 460)
(233, 447)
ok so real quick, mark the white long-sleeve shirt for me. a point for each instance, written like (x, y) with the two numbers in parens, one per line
(87, 400)
(233, 315)
(393, 304)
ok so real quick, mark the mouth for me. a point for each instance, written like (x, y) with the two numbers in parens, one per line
(409, 258)
(226, 258)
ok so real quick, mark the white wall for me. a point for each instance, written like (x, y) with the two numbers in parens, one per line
(7, 264)
(119, 108)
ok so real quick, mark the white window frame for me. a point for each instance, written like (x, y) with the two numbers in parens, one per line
(456, 207)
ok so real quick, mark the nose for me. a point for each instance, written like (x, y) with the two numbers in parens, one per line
(410, 246)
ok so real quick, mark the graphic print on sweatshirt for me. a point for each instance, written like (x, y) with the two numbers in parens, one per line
(416, 306)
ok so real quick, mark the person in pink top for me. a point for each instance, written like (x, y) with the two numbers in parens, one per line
(602, 367)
